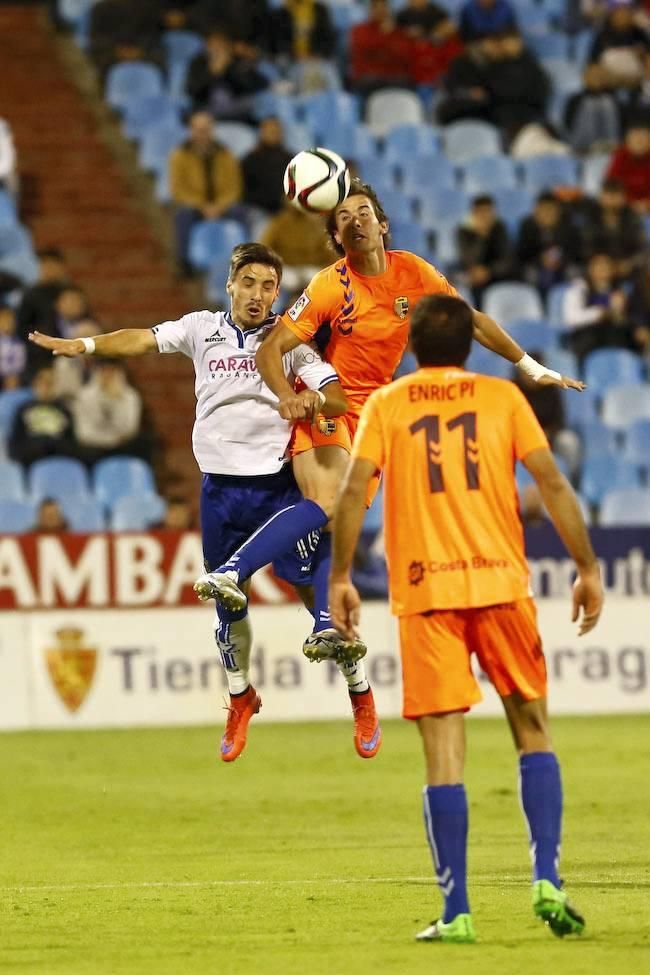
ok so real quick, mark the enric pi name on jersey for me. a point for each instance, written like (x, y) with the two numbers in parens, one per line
(238, 430)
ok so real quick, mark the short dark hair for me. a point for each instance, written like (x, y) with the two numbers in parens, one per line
(547, 197)
(254, 253)
(483, 200)
(441, 331)
(50, 254)
(612, 186)
(357, 188)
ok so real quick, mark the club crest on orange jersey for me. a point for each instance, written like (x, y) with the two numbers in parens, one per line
(71, 666)
(401, 306)
(326, 427)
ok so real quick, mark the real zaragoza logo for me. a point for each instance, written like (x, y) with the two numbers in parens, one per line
(71, 666)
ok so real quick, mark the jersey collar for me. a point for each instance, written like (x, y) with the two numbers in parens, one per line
(241, 335)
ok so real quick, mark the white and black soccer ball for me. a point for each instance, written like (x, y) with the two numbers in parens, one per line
(317, 180)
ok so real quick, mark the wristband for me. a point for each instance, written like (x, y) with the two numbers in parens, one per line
(89, 346)
(535, 369)
(321, 396)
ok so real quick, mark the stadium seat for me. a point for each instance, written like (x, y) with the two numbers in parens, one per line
(352, 141)
(391, 107)
(157, 143)
(73, 10)
(565, 74)
(629, 506)
(408, 364)
(624, 405)
(611, 367)
(406, 142)
(14, 239)
(513, 204)
(149, 112)
(83, 515)
(420, 175)
(12, 485)
(445, 233)
(512, 300)
(307, 76)
(8, 215)
(466, 139)
(546, 172)
(637, 445)
(181, 45)
(593, 173)
(562, 361)
(602, 473)
(407, 235)
(483, 174)
(580, 408)
(443, 203)
(532, 335)
(379, 172)
(597, 439)
(130, 80)
(489, 363)
(57, 477)
(212, 239)
(239, 138)
(216, 281)
(10, 401)
(548, 45)
(286, 107)
(136, 512)
(16, 517)
(117, 477)
(555, 304)
(397, 205)
(327, 109)
(298, 136)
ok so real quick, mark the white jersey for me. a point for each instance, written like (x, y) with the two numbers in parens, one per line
(238, 429)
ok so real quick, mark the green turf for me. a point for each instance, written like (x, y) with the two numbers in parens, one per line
(113, 846)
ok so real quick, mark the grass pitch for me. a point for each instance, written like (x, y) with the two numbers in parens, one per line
(137, 852)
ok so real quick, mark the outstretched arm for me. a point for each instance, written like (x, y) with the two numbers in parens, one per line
(125, 342)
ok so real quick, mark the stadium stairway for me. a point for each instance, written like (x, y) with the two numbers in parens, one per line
(76, 195)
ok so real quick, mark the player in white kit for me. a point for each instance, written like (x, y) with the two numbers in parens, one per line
(239, 440)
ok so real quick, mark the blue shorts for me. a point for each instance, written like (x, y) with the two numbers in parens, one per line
(232, 508)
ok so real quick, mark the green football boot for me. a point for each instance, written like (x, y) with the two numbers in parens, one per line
(550, 905)
(460, 931)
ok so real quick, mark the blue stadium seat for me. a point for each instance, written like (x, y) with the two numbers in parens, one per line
(298, 136)
(216, 281)
(16, 517)
(623, 405)
(489, 363)
(150, 111)
(136, 512)
(73, 10)
(546, 172)
(484, 174)
(445, 233)
(513, 204)
(512, 300)
(162, 191)
(83, 514)
(14, 239)
(549, 45)
(555, 303)
(286, 107)
(597, 439)
(391, 107)
(157, 143)
(117, 477)
(637, 444)
(580, 409)
(420, 175)
(8, 216)
(602, 473)
(12, 485)
(211, 240)
(565, 74)
(57, 477)
(581, 45)
(611, 367)
(352, 141)
(408, 364)
(21, 263)
(397, 205)
(532, 335)
(466, 139)
(443, 203)
(405, 142)
(329, 108)
(562, 361)
(593, 172)
(237, 136)
(379, 172)
(345, 16)
(407, 235)
(625, 507)
(181, 45)
(130, 80)
(306, 76)
(10, 401)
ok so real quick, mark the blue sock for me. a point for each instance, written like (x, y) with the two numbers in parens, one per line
(276, 537)
(445, 819)
(320, 577)
(541, 798)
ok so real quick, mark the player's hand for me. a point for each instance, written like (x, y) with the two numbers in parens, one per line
(66, 347)
(564, 382)
(588, 596)
(304, 405)
(345, 608)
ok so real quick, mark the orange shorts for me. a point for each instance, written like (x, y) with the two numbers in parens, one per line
(436, 650)
(336, 432)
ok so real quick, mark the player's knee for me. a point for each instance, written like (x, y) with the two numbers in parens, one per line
(533, 731)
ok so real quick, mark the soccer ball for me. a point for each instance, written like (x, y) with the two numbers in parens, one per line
(316, 180)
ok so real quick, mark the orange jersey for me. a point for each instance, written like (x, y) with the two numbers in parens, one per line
(447, 441)
(368, 317)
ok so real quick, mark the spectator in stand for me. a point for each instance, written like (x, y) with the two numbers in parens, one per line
(630, 165)
(478, 18)
(222, 82)
(592, 117)
(42, 427)
(120, 30)
(298, 237)
(421, 18)
(595, 308)
(379, 52)
(108, 413)
(483, 247)
(205, 182)
(71, 307)
(613, 227)
(8, 171)
(548, 245)
(13, 351)
(246, 21)
(620, 44)
(37, 308)
(434, 38)
(637, 109)
(263, 170)
(466, 92)
(638, 309)
(301, 29)
(50, 520)
(517, 84)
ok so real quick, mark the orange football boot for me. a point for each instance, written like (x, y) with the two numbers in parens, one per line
(367, 732)
(241, 710)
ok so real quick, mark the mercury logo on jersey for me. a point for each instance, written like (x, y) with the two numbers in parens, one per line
(215, 337)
